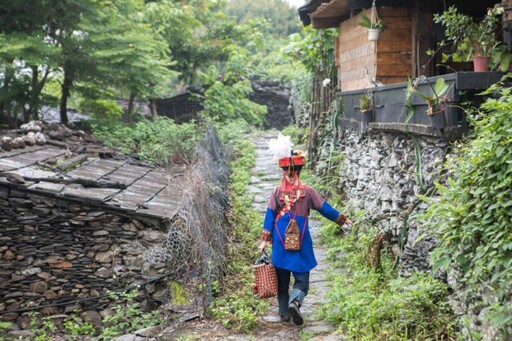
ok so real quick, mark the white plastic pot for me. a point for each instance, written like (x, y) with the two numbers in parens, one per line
(373, 34)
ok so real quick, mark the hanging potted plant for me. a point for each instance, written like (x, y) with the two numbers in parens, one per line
(373, 25)
(480, 36)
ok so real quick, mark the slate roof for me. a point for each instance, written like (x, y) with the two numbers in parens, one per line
(119, 184)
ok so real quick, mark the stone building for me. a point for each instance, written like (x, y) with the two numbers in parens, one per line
(78, 221)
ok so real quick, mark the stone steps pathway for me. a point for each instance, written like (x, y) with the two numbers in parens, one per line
(265, 176)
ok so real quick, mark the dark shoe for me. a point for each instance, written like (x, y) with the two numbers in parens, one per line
(294, 311)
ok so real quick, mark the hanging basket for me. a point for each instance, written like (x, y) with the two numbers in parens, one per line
(373, 34)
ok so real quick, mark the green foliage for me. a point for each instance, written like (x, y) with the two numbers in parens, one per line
(368, 23)
(154, 141)
(274, 66)
(21, 79)
(240, 310)
(238, 307)
(327, 182)
(42, 328)
(481, 35)
(75, 328)
(438, 90)
(4, 326)
(127, 317)
(366, 102)
(233, 130)
(298, 135)
(315, 50)
(228, 99)
(370, 304)
(101, 108)
(303, 88)
(127, 51)
(282, 18)
(472, 216)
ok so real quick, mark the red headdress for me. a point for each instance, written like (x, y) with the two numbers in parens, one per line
(291, 187)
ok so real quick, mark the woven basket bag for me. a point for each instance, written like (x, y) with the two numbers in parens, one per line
(265, 278)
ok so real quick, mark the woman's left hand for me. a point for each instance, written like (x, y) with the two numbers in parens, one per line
(261, 247)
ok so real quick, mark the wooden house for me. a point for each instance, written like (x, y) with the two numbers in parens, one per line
(399, 54)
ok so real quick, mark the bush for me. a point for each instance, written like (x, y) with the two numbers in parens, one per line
(369, 303)
(472, 216)
(155, 141)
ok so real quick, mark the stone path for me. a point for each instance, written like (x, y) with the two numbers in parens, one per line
(265, 175)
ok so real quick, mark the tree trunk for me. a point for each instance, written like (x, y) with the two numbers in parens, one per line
(315, 105)
(152, 107)
(66, 90)
(131, 106)
(6, 96)
(33, 101)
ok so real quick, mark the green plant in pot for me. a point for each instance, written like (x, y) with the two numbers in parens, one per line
(373, 26)
(366, 102)
(481, 36)
(366, 106)
(436, 101)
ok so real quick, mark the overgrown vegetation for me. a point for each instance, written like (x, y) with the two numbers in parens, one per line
(472, 216)
(369, 302)
(87, 54)
(238, 307)
(368, 299)
(157, 141)
(127, 317)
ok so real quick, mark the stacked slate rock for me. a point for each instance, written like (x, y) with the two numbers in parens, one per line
(55, 251)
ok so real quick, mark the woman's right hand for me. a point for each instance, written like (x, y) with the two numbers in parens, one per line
(261, 248)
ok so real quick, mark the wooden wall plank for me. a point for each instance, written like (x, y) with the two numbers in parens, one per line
(393, 34)
(394, 58)
(394, 46)
(389, 59)
(393, 70)
(398, 22)
(358, 52)
(359, 63)
(360, 40)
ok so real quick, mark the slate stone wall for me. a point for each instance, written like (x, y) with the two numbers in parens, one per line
(61, 256)
(55, 251)
(379, 176)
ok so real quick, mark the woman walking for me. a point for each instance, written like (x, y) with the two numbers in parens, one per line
(286, 228)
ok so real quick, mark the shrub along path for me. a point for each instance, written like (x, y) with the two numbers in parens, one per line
(265, 175)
